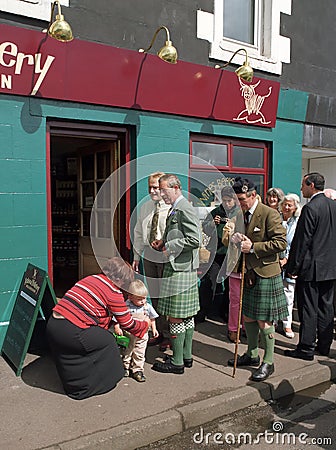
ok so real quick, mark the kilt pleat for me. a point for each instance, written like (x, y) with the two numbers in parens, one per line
(179, 293)
(266, 300)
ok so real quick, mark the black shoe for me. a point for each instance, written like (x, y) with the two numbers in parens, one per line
(322, 352)
(245, 360)
(188, 363)
(199, 318)
(167, 367)
(264, 371)
(299, 354)
(139, 376)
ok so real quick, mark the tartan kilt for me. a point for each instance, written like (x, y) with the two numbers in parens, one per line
(178, 293)
(266, 300)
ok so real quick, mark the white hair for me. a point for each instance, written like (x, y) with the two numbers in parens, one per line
(293, 198)
(331, 193)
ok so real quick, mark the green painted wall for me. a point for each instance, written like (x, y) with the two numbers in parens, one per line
(23, 223)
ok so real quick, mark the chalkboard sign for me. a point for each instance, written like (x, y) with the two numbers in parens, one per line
(33, 306)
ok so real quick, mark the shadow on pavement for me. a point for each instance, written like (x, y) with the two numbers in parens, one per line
(41, 373)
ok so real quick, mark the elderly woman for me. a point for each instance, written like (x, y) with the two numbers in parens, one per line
(274, 196)
(86, 354)
(330, 193)
(290, 211)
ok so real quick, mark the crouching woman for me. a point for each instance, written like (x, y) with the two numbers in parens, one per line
(86, 354)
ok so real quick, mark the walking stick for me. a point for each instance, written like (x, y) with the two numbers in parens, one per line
(239, 315)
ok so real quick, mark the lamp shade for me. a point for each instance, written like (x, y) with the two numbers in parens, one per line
(60, 29)
(245, 72)
(168, 53)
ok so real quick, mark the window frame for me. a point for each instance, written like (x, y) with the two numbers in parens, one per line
(36, 9)
(270, 48)
(227, 43)
(230, 168)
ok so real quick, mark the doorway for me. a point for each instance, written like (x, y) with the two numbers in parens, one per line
(81, 162)
(322, 161)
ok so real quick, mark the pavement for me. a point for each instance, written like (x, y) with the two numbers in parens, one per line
(36, 414)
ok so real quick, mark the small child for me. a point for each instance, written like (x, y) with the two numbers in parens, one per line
(134, 355)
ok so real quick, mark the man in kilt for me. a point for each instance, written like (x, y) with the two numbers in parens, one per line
(264, 300)
(179, 289)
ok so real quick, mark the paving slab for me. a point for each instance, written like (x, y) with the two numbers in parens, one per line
(36, 414)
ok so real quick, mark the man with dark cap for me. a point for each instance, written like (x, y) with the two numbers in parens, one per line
(263, 297)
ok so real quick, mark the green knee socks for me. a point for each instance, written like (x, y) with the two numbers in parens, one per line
(187, 350)
(252, 333)
(268, 341)
(177, 338)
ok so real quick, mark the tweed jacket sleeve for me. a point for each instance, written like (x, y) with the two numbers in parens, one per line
(182, 236)
(269, 238)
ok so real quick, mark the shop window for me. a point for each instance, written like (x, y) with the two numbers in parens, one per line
(215, 162)
(252, 24)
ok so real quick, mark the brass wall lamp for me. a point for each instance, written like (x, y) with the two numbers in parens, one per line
(168, 52)
(60, 29)
(245, 72)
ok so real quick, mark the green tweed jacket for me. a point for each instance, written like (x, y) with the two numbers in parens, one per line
(182, 237)
(269, 238)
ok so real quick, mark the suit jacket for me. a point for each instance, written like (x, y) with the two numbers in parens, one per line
(182, 237)
(313, 249)
(269, 238)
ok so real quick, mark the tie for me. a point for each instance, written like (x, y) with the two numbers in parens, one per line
(155, 221)
(247, 216)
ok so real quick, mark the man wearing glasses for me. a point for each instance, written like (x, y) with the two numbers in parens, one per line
(150, 226)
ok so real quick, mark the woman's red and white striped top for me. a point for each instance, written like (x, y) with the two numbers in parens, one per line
(94, 300)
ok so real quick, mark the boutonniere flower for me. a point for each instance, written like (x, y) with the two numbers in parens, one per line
(173, 212)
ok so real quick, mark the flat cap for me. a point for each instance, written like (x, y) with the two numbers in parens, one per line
(243, 185)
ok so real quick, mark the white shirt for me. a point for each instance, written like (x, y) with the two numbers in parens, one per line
(143, 226)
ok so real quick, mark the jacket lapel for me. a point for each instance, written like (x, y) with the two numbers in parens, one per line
(255, 222)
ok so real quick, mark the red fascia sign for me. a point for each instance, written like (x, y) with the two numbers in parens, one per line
(33, 64)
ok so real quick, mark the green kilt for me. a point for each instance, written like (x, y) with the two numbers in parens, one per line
(178, 293)
(266, 300)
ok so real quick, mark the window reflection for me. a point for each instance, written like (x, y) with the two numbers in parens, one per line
(238, 20)
(248, 157)
(205, 187)
(214, 154)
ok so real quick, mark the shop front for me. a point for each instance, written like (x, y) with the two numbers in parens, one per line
(73, 114)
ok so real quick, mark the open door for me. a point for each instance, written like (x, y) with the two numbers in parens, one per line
(95, 242)
(80, 159)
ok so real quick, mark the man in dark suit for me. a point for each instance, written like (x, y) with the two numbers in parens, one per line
(179, 291)
(264, 300)
(312, 262)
